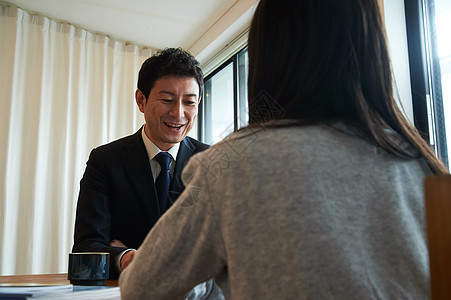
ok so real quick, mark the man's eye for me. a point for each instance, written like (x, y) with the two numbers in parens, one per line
(167, 100)
(190, 102)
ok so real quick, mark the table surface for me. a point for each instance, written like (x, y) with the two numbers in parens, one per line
(47, 279)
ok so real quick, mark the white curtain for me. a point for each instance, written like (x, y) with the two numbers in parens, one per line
(63, 91)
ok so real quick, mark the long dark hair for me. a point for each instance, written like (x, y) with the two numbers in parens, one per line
(322, 61)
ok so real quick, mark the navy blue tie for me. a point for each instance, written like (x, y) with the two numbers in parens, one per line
(163, 179)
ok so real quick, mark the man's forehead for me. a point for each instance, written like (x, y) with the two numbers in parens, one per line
(163, 84)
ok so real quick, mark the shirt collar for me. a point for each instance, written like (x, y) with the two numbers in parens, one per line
(153, 150)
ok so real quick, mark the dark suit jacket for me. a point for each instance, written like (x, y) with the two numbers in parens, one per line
(117, 197)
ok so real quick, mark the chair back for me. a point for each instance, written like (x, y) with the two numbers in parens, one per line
(437, 191)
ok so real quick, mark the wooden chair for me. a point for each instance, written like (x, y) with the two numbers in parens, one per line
(438, 219)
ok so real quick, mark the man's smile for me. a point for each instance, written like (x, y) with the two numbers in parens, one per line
(174, 125)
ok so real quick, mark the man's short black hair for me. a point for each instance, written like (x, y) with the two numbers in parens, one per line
(169, 62)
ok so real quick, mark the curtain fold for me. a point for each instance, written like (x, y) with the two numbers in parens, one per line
(63, 91)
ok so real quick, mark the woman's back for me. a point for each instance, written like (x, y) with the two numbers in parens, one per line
(317, 212)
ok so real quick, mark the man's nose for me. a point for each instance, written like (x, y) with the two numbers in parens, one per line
(177, 110)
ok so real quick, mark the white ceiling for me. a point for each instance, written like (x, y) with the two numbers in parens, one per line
(190, 24)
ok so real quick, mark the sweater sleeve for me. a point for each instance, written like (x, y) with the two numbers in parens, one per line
(183, 249)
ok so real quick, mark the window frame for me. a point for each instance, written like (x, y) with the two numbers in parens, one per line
(425, 81)
(236, 76)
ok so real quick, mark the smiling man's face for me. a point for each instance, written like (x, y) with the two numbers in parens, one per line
(170, 111)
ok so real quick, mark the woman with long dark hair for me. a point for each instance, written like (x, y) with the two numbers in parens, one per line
(321, 196)
(329, 63)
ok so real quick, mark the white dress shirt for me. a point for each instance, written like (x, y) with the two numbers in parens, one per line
(153, 150)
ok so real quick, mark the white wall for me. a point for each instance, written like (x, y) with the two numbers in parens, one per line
(395, 22)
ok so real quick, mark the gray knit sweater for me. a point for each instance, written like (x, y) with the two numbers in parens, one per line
(291, 213)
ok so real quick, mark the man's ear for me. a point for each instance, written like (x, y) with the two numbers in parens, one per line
(140, 100)
(200, 98)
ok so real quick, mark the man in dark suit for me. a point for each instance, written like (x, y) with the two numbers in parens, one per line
(118, 202)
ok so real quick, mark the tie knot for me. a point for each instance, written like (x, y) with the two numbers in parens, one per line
(164, 159)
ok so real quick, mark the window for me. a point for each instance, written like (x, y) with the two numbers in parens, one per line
(429, 42)
(224, 105)
(442, 25)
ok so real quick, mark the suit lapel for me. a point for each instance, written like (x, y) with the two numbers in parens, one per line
(186, 150)
(137, 165)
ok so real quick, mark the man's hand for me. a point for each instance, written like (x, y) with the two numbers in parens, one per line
(127, 259)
